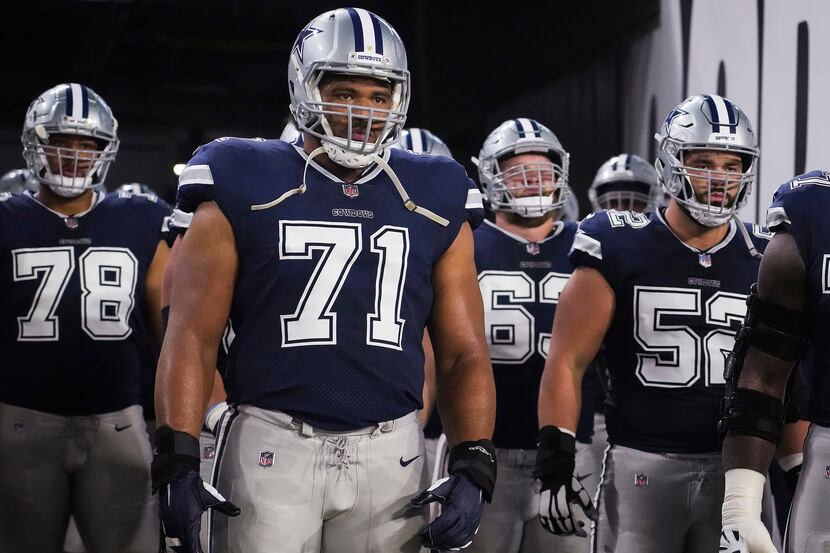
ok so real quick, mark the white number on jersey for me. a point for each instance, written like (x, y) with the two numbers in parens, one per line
(675, 355)
(314, 322)
(630, 218)
(510, 327)
(108, 280)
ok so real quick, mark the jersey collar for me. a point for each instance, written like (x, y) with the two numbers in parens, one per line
(558, 226)
(717, 247)
(368, 174)
(97, 197)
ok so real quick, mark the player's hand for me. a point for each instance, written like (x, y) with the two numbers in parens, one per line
(461, 506)
(183, 496)
(556, 502)
(182, 503)
(750, 539)
(561, 490)
(741, 513)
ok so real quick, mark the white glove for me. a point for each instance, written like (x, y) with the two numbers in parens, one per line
(741, 513)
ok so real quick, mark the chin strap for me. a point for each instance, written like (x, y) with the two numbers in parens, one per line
(753, 251)
(407, 201)
(294, 191)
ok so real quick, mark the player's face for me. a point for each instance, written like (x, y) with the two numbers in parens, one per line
(361, 94)
(71, 155)
(625, 204)
(715, 176)
(528, 175)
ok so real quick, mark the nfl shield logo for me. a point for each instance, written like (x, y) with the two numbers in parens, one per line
(266, 458)
(641, 480)
(827, 471)
(208, 452)
(351, 190)
(705, 260)
(532, 248)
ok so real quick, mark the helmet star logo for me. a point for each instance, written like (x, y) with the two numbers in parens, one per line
(304, 35)
(676, 112)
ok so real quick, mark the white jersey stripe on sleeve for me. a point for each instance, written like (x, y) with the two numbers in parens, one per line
(585, 243)
(196, 174)
(777, 216)
(474, 199)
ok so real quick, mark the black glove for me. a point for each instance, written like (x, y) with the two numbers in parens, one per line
(555, 462)
(183, 496)
(472, 468)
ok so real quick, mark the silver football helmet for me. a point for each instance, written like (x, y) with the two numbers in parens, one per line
(289, 133)
(421, 141)
(530, 189)
(706, 122)
(138, 189)
(18, 181)
(69, 109)
(570, 209)
(348, 41)
(625, 182)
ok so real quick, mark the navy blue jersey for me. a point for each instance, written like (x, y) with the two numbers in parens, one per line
(677, 311)
(520, 284)
(73, 302)
(800, 207)
(334, 285)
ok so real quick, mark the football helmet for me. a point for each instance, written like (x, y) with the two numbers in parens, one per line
(348, 41)
(18, 181)
(570, 209)
(69, 109)
(421, 141)
(531, 189)
(624, 181)
(706, 122)
(138, 189)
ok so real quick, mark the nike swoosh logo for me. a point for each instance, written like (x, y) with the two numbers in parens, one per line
(120, 428)
(405, 463)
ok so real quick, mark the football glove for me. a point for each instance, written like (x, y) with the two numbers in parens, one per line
(555, 462)
(472, 468)
(183, 495)
(741, 511)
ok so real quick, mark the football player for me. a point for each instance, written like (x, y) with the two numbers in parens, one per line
(522, 263)
(330, 285)
(785, 317)
(625, 182)
(82, 270)
(681, 276)
(422, 141)
(18, 181)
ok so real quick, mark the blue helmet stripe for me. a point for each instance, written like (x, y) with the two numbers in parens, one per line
(519, 127)
(713, 111)
(84, 102)
(536, 130)
(627, 162)
(357, 26)
(378, 33)
(733, 123)
(407, 141)
(69, 104)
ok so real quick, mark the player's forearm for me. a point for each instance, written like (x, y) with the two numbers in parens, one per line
(467, 399)
(184, 381)
(560, 397)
